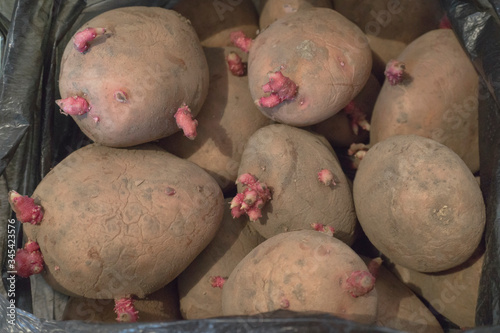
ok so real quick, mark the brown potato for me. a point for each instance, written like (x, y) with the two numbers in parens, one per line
(452, 293)
(162, 305)
(299, 271)
(273, 10)
(288, 160)
(121, 222)
(398, 307)
(215, 20)
(392, 19)
(323, 53)
(437, 100)
(226, 121)
(418, 203)
(126, 75)
(234, 240)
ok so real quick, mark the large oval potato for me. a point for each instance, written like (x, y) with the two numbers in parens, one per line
(227, 119)
(110, 215)
(323, 53)
(288, 160)
(136, 75)
(301, 270)
(418, 203)
(437, 100)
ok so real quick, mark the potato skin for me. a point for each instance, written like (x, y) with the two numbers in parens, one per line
(326, 55)
(234, 240)
(273, 10)
(143, 58)
(453, 293)
(398, 307)
(162, 305)
(287, 160)
(439, 100)
(418, 203)
(109, 218)
(299, 271)
(215, 20)
(226, 121)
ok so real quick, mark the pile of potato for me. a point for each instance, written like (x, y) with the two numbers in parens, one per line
(253, 156)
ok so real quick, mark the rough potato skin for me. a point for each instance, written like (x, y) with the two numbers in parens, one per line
(226, 121)
(398, 307)
(123, 221)
(143, 58)
(439, 100)
(215, 20)
(273, 10)
(287, 160)
(298, 271)
(452, 293)
(397, 20)
(418, 203)
(325, 54)
(234, 240)
(162, 305)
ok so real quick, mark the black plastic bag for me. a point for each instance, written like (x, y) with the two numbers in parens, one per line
(34, 137)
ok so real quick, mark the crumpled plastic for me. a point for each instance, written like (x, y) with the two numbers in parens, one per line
(34, 137)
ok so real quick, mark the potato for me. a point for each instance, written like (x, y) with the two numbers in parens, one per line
(200, 297)
(226, 121)
(351, 125)
(398, 307)
(319, 51)
(288, 160)
(162, 305)
(302, 271)
(215, 20)
(126, 87)
(123, 222)
(273, 10)
(452, 293)
(438, 99)
(418, 203)
(392, 19)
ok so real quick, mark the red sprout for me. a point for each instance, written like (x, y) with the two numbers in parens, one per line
(326, 229)
(240, 40)
(28, 260)
(75, 105)
(236, 66)
(125, 310)
(83, 38)
(252, 199)
(357, 117)
(360, 283)
(25, 208)
(325, 176)
(170, 191)
(395, 71)
(217, 281)
(445, 23)
(281, 89)
(285, 303)
(185, 121)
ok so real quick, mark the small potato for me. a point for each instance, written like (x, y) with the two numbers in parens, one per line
(418, 203)
(302, 271)
(200, 294)
(162, 305)
(121, 222)
(452, 293)
(398, 307)
(126, 86)
(288, 160)
(215, 20)
(226, 121)
(273, 10)
(326, 57)
(437, 97)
